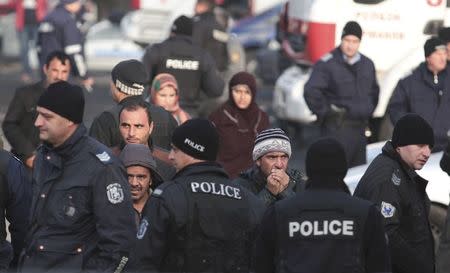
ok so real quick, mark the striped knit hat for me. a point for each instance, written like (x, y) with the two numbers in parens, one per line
(271, 140)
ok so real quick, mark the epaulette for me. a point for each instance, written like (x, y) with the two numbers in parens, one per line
(161, 188)
(103, 156)
(325, 58)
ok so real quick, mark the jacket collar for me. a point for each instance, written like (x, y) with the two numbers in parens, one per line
(205, 167)
(68, 148)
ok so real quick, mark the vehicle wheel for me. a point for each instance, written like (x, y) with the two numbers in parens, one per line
(437, 219)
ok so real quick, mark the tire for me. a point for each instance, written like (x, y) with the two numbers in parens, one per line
(437, 217)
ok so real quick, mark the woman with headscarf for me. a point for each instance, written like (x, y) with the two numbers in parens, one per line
(238, 121)
(164, 93)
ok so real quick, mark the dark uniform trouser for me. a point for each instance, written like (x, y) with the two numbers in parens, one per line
(352, 136)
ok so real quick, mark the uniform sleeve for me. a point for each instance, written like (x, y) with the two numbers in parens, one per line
(158, 237)
(73, 46)
(12, 129)
(18, 207)
(398, 104)
(374, 91)
(212, 84)
(114, 216)
(315, 89)
(102, 129)
(150, 60)
(264, 251)
(376, 248)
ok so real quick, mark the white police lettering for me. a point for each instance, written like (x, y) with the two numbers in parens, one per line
(216, 189)
(182, 64)
(321, 228)
(191, 143)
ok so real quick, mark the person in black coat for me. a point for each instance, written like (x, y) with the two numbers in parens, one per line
(392, 183)
(81, 211)
(322, 229)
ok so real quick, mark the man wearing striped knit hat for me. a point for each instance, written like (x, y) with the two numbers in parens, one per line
(270, 178)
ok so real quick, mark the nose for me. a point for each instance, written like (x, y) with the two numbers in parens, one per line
(133, 180)
(279, 163)
(132, 131)
(427, 151)
(171, 155)
(38, 121)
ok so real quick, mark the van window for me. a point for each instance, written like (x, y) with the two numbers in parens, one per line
(368, 2)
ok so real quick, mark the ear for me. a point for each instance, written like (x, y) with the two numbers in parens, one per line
(45, 69)
(258, 162)
(150, 130)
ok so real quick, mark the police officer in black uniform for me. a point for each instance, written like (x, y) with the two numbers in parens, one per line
(191, 65)
(81, 213)
(15, 200)
(200, 221)
(322, 229)
(59, 31)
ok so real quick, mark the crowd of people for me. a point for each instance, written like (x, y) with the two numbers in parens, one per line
(162, 183)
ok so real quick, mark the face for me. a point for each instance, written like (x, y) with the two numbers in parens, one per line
(140, 181)
(242, 96)
(179, 159)
(134, 126)
(167, 98)
(53, 128)
(74, 7)
(272, 160)
(350, 45)
(437, 60)
(57, 71)
(415, 156)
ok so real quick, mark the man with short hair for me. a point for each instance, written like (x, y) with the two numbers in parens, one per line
(136, 126)
(322, 229)
(270, 178)
(426, 92)
(19, 119)
(200, 220)
(128, 82)
(81, 209)
(391, 182)
(343, 92)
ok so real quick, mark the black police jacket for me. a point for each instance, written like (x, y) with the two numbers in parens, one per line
(15, 200)
(351, 87)
(191, 65)
(321, 230)
(18, 125)
(81, 214)
(399, 192)
(105, 127)
(200, 222)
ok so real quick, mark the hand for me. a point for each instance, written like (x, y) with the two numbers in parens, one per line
(29, 162)
(87, 83)
(281, 177)
(273, 186)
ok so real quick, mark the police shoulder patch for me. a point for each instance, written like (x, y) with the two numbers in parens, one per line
(387, 210)
(103, 157)
(114, 192)
(396, 180)
(327, 57)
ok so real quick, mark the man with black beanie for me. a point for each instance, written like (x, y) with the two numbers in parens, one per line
(322, 229)
(200, 220)
(343, 92)
(193, 67)
(81, 208)
(426, 92)
(391, 182)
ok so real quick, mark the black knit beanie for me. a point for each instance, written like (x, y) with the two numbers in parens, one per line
(433, 44)
(412, 129)
(182, 25)
(352, 28)
(130, 77)
(243, 78)
(64, 99)
(198, 138)
(326, 158)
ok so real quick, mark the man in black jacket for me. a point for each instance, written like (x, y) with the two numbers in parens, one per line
(81, 211)
(392, 183)
(18, 123)
(128, 82)
(322, 229)
(191, 65)
(200, 221)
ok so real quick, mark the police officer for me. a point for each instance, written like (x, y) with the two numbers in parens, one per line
(392, 183)
(200, 221)
(209, 34)
(193, 68)
(81, 213)
(15, 200)
(128, 81)
(59, 31)
(343, 92)
(322, 229)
